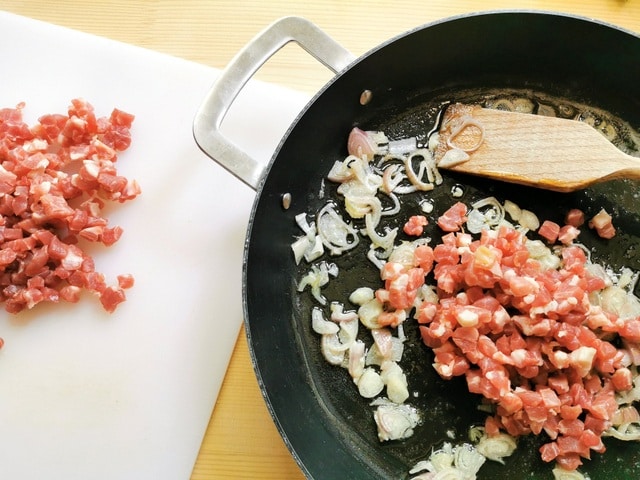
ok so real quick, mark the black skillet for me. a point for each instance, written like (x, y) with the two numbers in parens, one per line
(573, 65)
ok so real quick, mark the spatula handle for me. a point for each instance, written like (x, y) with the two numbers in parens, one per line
(208, 119)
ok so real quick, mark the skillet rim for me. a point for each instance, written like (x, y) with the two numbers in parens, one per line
(298, 452)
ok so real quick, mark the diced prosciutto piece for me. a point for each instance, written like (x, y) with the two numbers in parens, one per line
(415, 225)
(48, 203)
(574, 217)
(522, 337)
(549, 230)
(453, 218)
(603, 224)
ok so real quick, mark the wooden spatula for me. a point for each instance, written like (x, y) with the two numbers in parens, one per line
(545, 152)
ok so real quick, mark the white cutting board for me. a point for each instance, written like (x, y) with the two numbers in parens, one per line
(88, 395)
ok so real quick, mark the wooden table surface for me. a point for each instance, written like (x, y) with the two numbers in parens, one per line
(241, 441)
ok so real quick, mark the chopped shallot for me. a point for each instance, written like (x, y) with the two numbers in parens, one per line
(459, 462)
(486, 213)
(563, 474)
(321, 325)
(394, 421)
(497, 447)
(528, 220)
(337, 235)
(356, 365)
(309, 246)
(366, 144)
(395, 381)
(453, 157)
(317, 278)
(361, 295)
(370, 383)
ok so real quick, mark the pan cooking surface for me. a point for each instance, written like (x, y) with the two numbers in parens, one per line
(446, 407)
(326, 424)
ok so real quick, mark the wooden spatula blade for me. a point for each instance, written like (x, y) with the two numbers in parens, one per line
(545, 152)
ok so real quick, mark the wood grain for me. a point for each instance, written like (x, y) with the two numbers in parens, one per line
(241, 441)
(242, 436)
(546, 152)
(211, 32)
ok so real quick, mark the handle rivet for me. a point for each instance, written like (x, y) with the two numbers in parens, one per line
(365, 97)
(286, 201)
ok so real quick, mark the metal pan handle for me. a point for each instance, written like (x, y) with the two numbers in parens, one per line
(208, 119)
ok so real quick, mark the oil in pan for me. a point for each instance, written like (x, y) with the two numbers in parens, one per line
(446, 407)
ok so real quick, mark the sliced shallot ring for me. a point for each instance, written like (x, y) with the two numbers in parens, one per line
(382, 241)
(402, 146)
(391, 178)
(321, 325)
(396, 206)
(356, 360)
(349, 238)
(349, 331)
(382, 339)
(332, 350)
(405, 189)
(365, 175)
(340, 172)
(339, 315)
(492, 216)
(414, 178)
(360, 143)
